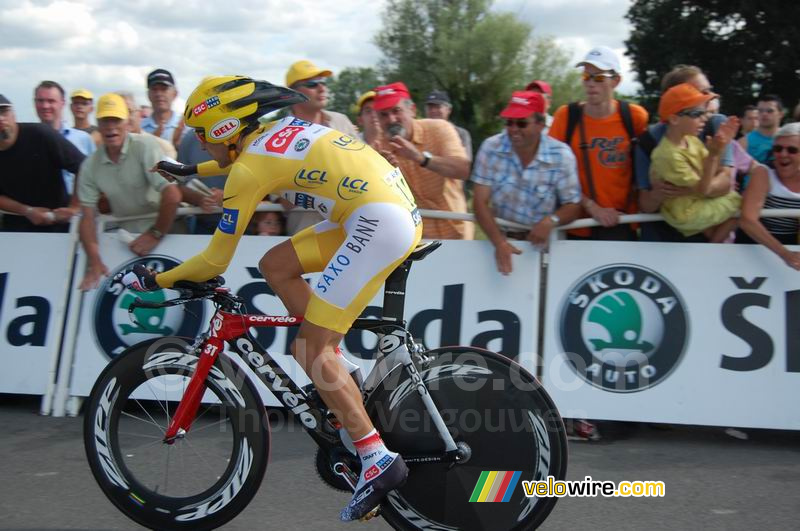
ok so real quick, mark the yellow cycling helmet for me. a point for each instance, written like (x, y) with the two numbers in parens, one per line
(221, 107)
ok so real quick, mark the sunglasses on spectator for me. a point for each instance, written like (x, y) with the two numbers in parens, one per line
(313, 83)
(792, 150)
(693, 113)
(597, 78)
(520, 124)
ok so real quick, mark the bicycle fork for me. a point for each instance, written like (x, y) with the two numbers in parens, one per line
(190, 403)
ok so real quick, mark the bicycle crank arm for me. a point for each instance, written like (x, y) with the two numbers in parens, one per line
(343, 471)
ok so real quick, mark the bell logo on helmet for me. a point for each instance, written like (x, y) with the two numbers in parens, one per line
(224, 128)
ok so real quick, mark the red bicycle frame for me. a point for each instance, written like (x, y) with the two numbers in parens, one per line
(224, 326)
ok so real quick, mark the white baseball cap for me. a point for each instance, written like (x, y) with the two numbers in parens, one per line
(603, 58)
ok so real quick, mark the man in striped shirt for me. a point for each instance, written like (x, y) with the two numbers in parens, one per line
(524, 176)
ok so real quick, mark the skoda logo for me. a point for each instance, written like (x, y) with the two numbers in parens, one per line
(116, 330)
(302, 144)
(623, 328)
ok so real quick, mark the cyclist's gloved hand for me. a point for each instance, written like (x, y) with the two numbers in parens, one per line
(140, 278)
(172, 170)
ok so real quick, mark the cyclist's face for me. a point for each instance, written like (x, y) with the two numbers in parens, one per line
(49, 105)
(218, 152)
(113, 131)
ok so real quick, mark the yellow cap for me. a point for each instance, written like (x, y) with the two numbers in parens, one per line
(111, 106)
(364, 98)
(304, 70)
(82, 93)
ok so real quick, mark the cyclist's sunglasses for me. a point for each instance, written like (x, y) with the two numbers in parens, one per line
(599, 77)
(201, 136)
(520, 124)
(792, 150)
(313, 83)
(694, 113)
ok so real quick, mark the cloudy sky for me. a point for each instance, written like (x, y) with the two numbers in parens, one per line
(107, 45)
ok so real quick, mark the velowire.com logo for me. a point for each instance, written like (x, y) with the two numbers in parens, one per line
(115, 330)
(623, 328)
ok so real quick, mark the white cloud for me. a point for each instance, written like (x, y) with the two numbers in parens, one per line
(105, 45)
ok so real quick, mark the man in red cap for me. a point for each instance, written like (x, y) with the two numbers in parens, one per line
(525, 176)
(431, 157)
(543, 88)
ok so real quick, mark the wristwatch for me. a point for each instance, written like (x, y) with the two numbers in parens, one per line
(555, 219)
(157, 234)
(427, 159)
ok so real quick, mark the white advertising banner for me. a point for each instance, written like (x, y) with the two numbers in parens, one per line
(675, 333)
(455, 296)
(34, 271)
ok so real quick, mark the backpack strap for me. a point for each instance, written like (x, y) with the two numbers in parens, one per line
(574, 113)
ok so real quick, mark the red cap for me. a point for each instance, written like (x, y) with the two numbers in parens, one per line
(543, 86)
(523, 104)
(387, 96)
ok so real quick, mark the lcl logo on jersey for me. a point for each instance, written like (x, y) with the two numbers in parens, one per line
(348, 143)
(351, 187)
(115, 330)
(623, 328)
(224, 128)
(306, 178)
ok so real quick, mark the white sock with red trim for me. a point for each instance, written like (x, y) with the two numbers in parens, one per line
(348, 365)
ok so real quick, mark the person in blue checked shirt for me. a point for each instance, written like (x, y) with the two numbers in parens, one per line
(524, 176)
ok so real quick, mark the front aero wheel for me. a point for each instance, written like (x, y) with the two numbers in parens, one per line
(502, 419)
(206, 476)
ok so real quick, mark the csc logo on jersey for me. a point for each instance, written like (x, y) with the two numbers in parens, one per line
(115, 329)
(280, 141)
(350, 188)
(224, 128)
(310, 178)
(348, 143)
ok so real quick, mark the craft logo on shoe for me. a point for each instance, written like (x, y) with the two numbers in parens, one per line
(224, 128)
(494, 486)
(227, 223)
(305, 178)
(115, 331)
(623, 328)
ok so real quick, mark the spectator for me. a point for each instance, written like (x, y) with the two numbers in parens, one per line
(49, 100)
(367, 119)
(146, 110)
(437, 105)
(749, 120)
(796, 113)
(82, 106)
(135, 124)
(191, 152)
(31, 185)
(525, 176)
(543, 88)
(431, 157)
(120, 170)
(779, 188)
(600, 133)
(311, 81)
(681, 159)
(163, 121)
(759, 141)
(268, 224)
(652, 194)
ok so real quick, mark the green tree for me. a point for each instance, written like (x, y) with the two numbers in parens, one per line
(349, 85)
(459, 46)
(746, 48)
(553, 63)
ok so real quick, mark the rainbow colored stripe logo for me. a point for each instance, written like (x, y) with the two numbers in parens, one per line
(494, 486)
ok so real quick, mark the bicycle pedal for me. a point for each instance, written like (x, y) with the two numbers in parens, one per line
(370, 515)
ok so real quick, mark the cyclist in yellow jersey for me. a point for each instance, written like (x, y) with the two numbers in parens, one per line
(371, 225)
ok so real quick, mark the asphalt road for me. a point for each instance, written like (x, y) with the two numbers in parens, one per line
(713, 481)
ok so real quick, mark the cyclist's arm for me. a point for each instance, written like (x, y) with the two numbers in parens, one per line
(245, 193)
(211, 168)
